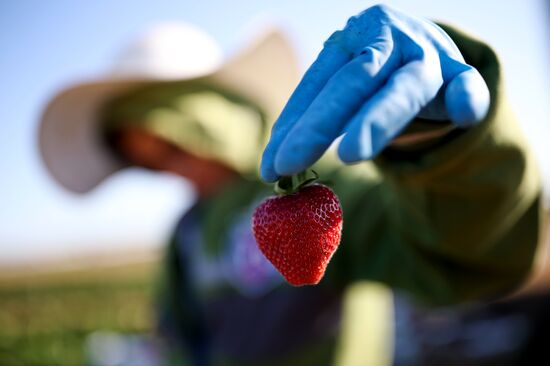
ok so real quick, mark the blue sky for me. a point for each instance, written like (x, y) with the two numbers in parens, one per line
(46, 45)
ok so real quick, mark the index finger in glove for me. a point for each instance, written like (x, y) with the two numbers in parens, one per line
(338, 51)
(331, 110)
(330, 60)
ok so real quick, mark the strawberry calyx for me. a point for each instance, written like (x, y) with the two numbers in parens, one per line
(293, 183)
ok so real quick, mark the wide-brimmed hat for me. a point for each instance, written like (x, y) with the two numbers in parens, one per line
(264, 72)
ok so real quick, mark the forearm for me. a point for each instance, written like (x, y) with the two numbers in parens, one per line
(470, 203)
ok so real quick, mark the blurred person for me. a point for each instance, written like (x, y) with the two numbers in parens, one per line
(444, 205)
(172, 104)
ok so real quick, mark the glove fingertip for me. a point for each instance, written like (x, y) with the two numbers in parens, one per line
(268, 175)
(467, 99)
(287, 166)
(352, 150)
(267, 171)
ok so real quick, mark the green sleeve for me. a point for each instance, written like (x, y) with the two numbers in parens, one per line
(456, 221)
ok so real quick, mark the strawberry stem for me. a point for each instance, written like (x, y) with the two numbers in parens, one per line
(293, 183)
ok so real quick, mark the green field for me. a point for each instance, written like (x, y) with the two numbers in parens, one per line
(45, 318)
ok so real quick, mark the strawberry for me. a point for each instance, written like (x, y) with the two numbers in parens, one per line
(299, 232)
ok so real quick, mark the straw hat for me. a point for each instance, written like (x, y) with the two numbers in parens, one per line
(264, 72)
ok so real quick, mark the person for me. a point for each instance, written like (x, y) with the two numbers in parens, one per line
(440, 192)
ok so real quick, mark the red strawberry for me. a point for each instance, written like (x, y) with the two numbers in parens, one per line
(300, 232)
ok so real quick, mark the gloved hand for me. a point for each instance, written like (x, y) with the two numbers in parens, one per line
(370, 80)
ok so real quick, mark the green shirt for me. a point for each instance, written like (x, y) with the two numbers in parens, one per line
(455, 220)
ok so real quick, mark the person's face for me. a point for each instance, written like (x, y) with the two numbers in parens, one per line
(147, 150)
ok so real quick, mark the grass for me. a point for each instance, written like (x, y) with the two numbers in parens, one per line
(45, 318)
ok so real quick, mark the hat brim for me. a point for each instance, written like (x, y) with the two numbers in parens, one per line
(70, 144)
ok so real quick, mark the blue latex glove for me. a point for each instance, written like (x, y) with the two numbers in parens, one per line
(370, 80)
